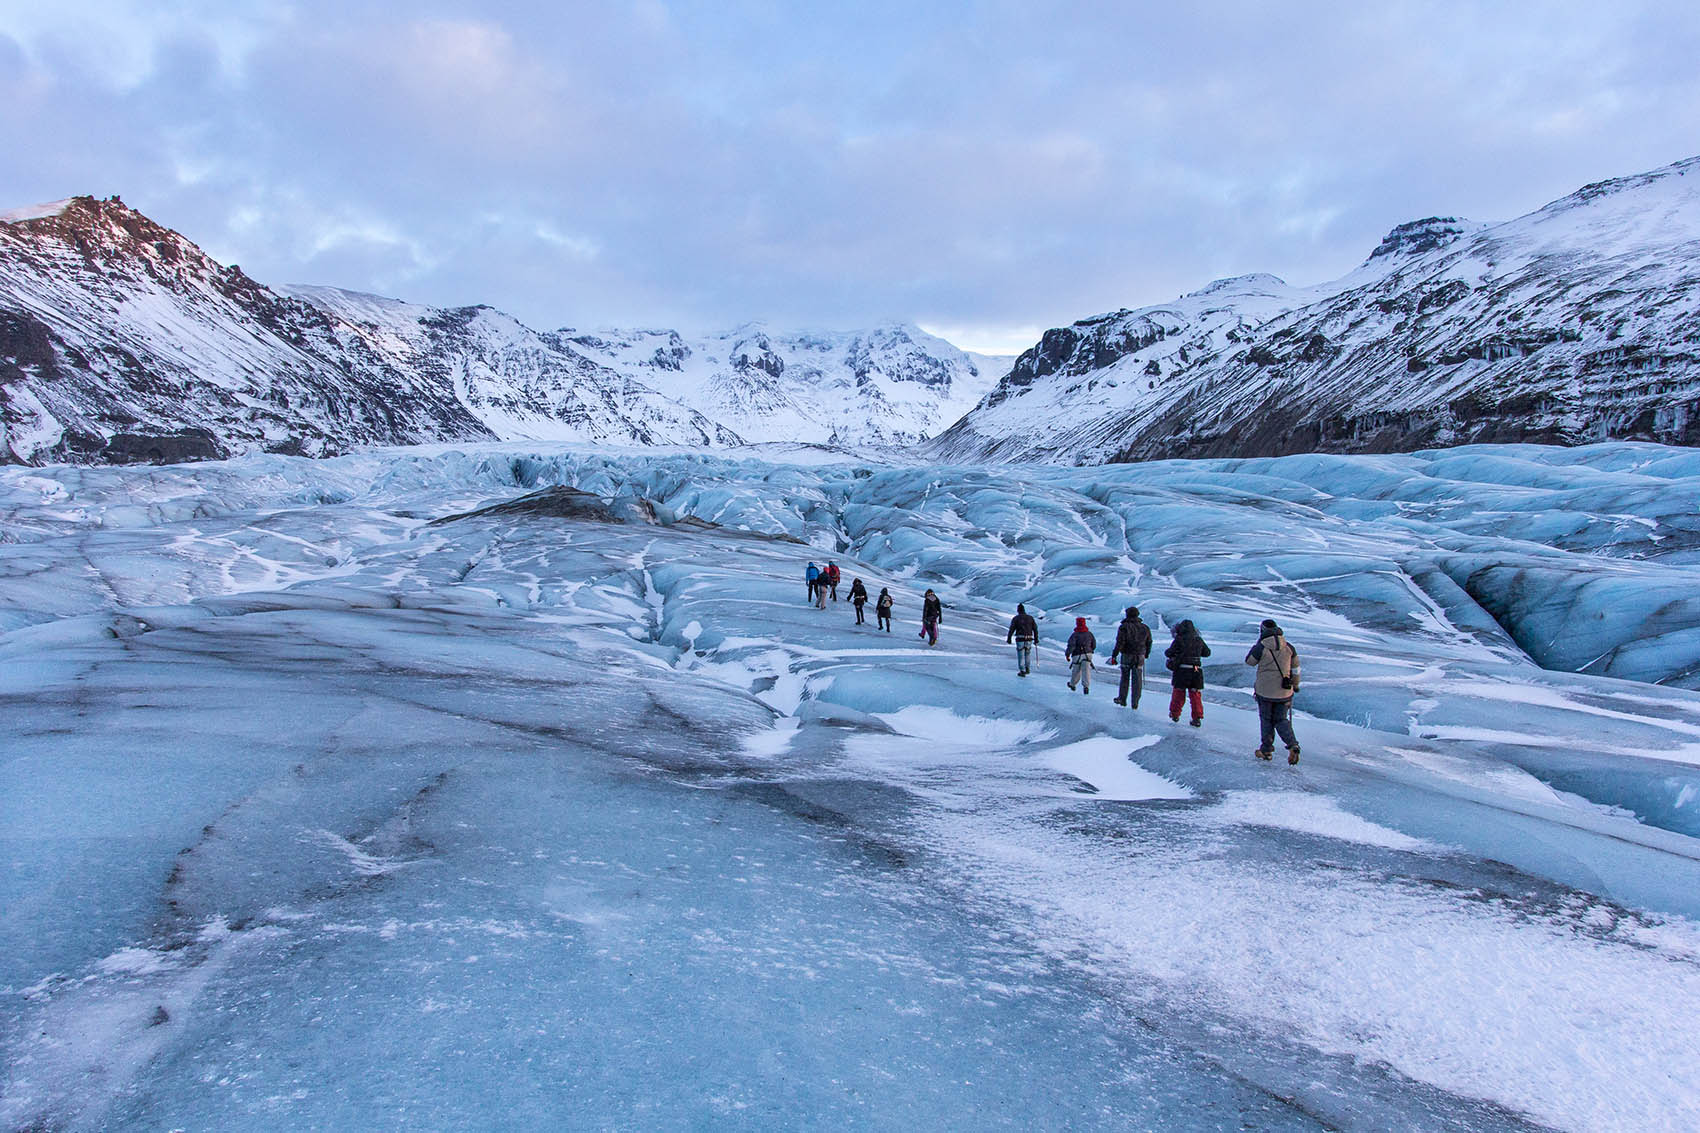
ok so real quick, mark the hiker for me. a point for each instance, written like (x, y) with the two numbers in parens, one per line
(1133, 646)
(858, 598)
(812, 577)
(882, 611)
(1079, 649)
(1277, 680)
(1185, 660)
(932, 612)
(830, 577)
(1024, 631)
(820, 591)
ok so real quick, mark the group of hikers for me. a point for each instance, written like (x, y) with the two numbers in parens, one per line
(1274, 658)
(823, 581)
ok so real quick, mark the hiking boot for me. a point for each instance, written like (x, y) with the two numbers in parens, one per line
(1120, 703)
(1174, 719)
(1292, 756)
(1196, 723)
(1264, 755)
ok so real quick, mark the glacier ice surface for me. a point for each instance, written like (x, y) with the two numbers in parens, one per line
(318, 813)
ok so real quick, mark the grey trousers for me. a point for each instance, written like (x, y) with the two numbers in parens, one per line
(1133, 681)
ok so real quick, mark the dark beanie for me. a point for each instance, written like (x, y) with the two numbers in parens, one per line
(1133, 611)
(1269, 623)
(1020, 609)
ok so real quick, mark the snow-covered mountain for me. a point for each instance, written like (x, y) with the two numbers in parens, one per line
(122, 340)
(1577, 322)
(892, 385)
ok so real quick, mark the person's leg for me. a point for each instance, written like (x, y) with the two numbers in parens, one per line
(1086, 675)
(1073, 673)
(1197, 703)
(1138, 688)
(1126, 682)
(1265, 726)
(1283, 715)
(1176, 699)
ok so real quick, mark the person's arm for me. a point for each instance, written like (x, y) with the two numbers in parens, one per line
(1294, 671)
(1203, 649)
(1254, 654)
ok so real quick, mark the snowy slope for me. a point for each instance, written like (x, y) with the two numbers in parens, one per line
(893, 385)
(1577, 322)
(333, 798)
(519, 384)
(121, 340)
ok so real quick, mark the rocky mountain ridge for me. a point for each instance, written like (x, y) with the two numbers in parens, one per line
(1575, 323)
(121, 340)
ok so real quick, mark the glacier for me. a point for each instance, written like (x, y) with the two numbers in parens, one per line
(517, 785)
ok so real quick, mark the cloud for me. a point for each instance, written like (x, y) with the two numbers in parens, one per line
(986, 165)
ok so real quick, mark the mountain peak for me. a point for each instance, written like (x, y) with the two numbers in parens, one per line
(1415, 237)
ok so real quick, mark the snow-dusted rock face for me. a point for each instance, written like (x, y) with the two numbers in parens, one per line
(121, 340)
(1578, 322)
(895, 384)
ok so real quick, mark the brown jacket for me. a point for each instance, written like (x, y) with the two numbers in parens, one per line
(1275, 659)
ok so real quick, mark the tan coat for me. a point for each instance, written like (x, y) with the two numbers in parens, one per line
(1277, 660)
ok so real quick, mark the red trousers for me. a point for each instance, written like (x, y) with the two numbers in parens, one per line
(1178, 698)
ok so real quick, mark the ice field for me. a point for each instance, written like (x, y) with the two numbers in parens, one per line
(407, 789)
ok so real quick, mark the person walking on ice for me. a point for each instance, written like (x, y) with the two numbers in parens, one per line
(1024, 631)
(882, 611)
(932, 612)
(820, 591)
(1277, 680)
(1186, 661)
(1133, 646)
(812, 577)
(830, 577)
(1081, 645)
(858, 598)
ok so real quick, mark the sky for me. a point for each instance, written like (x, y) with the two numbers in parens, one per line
(983, 169)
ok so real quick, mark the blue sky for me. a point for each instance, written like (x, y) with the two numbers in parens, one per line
(984, 169)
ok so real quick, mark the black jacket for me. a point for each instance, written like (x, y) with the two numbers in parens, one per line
(1185, 657)
(858, 592)
(884, 604)
(932, 610)
(1081, 643)
(1133, 642)
(1022, 626)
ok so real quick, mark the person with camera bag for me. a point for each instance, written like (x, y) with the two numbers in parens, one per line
(1277, 680)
